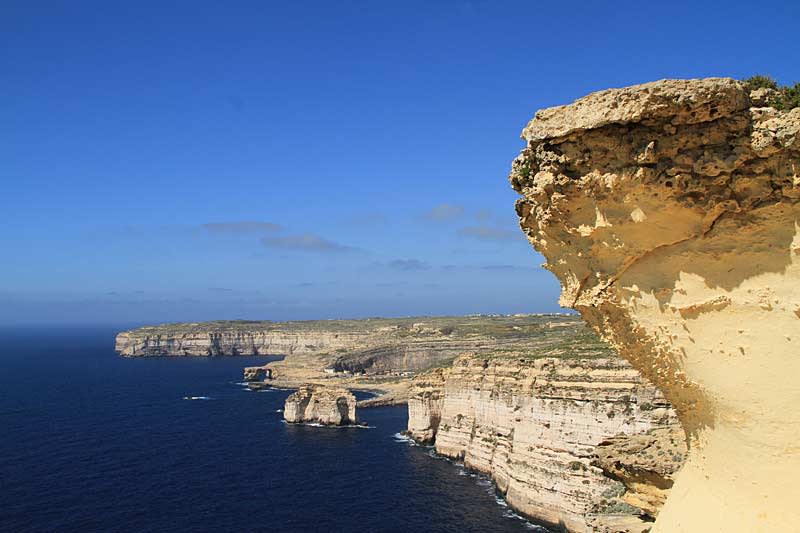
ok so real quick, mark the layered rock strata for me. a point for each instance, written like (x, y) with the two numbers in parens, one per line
(669, 212)
(535, 424)
(330, 406)
(354, 346)
(377, 354)
(217, 339)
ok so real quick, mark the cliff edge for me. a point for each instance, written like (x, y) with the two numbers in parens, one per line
(669, 211)
(561, 434)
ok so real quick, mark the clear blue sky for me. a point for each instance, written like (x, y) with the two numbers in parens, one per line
(166, 161)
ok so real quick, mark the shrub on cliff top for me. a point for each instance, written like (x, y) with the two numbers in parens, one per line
(792, 96)
(760, 82)
(785, 97)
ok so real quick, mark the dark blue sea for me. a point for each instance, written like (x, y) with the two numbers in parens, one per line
(92, 441)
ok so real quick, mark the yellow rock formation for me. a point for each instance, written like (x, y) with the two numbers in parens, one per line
(670, 213)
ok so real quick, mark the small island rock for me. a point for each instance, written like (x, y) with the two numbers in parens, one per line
(332, 406)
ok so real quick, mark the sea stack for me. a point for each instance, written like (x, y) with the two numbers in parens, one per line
(669, 211)
(330, 406)
(257, 373)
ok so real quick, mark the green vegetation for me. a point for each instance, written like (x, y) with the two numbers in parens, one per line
(576, 465)
(566, 339)
(495, 326)
(618, 507)
(614, 491)
(760, 82)
(784, 98)
(447, 362)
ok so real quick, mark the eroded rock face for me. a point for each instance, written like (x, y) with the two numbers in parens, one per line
(331, 406)
(213, 340)
(425, 406)
(669, 212)
(257, 373)
(535, 424)
(645, 463)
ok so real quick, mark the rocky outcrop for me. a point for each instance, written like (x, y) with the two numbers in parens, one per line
(645, 463)
(330, 406)
(403, 355)
(257, 373)
(669, 212)
(535, 424)
(425, 405)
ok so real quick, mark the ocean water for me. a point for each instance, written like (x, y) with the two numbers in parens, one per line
(94, 441)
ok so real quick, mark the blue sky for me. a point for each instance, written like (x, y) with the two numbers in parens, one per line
(166, 161)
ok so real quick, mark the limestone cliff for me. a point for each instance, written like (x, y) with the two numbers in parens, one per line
(376, 354)
(669, 212)
(355, 346)
(330, 406)
(534, 424)
(232, 338)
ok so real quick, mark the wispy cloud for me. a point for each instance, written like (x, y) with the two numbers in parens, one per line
(490, 268)
(373, 218)
(219, 289)
(482, 215)
(392, 284)
(505, 267)
(489, 233)
(241, 227)
(309, 284)
(444, 213)
(306, 242)
(407, 265)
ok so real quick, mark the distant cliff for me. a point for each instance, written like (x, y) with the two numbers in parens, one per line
(233, 338)
(346, 346)
(552, 433)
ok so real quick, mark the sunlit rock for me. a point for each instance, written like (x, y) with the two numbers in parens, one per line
(669, 212)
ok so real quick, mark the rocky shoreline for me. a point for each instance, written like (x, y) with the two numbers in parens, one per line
(540, 405)
(544, 430)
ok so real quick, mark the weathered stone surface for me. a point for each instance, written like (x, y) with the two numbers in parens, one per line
(329, 406)
(669, 212)
(646, 463)
(534, 425)
(257, 373)
(671, 101)
(425, 405)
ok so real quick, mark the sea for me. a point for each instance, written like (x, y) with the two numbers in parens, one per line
(91, 441)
